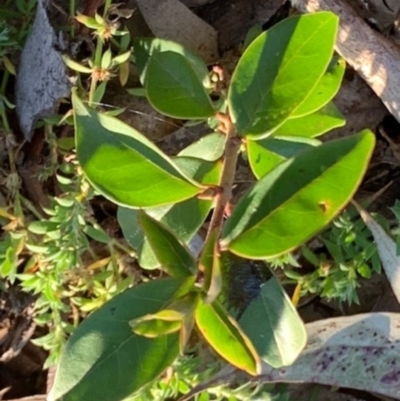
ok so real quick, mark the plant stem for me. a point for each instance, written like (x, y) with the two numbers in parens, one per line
(4, 81)
(72, 8)
(106, 7)
(11, 147)
(231, 151)
(123, 248)
(96, 65)
(28, 204)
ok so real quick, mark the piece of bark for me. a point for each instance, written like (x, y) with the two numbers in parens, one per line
(41, 77)
(374, 57)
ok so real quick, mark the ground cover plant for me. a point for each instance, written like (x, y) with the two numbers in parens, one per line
(270, 112)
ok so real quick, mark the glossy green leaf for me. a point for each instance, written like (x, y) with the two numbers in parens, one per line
(174, 89)
(251, 35)
(183, 219)
(265, 154)
(139, 92)
(174, 257)
(104, 360)
(155, 327)
(173, 312)
(123, 165)
(297, 198)
(127, 219)
(97, 233)
(210, 265)
(326, 89)
(313, 125)
(186, 331)
(273, 325)
(8, 265)
(225, 336)
(99, 92)
(279, 70)
(146, 47)
(203, 171)
(209, 147)
(42, 227)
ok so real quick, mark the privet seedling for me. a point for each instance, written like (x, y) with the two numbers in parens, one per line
(276, 104)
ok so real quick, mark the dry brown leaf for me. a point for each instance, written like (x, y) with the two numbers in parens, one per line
(170, 19)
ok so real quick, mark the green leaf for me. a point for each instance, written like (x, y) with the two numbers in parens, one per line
(106, 59)
(99, 92)
(313, 125)
(121, 58)
(279, 70)
(183, 219)
(155, 328)
(123, 165)
(167, 320)
(8, 267)
(265, 154)
(225, 336)
(73, 65)
(364, 271)
(174, 257)
(146, 47)
(97, 233)
(252, 34)
(37, 248)
(140, 92)
(174, 89)
(203, 171)
(326, 89)
(104, 360)
(210, 265)
(209, 147)
(273, 325)
(43, 227)
(297, 198)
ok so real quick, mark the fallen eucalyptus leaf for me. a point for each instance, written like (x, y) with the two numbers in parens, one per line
(170, 19)
(359, 352)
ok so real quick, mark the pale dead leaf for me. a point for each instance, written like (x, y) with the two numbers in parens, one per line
(170, 19)
(360, 352)
(386, 249)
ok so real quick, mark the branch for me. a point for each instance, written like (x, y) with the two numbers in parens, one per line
(231, 151)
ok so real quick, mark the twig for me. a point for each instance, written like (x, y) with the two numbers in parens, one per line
(232, 146)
